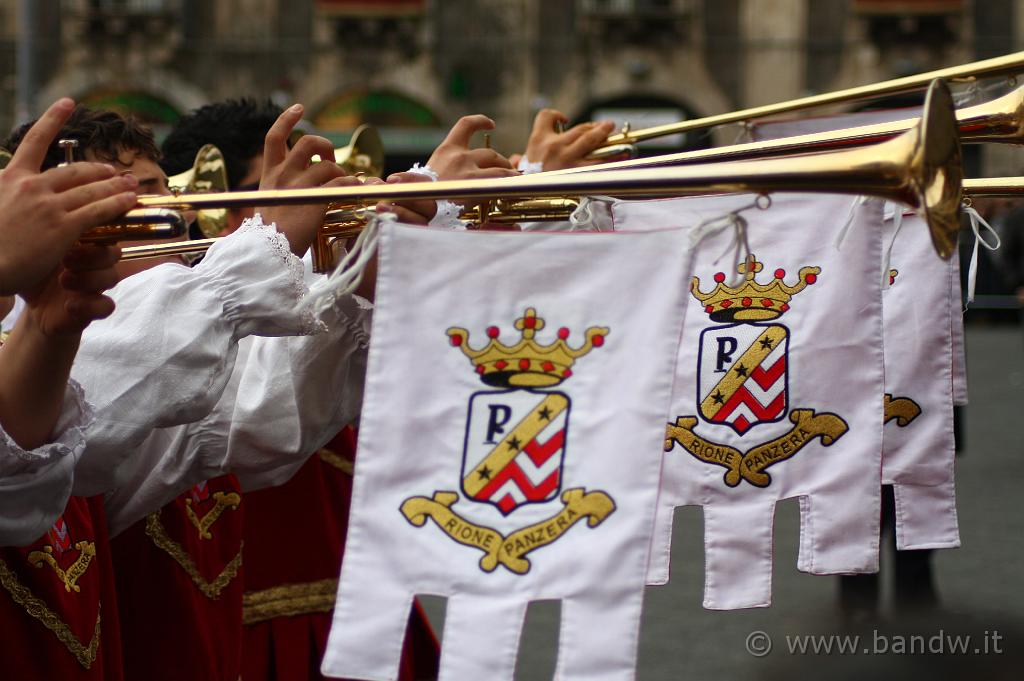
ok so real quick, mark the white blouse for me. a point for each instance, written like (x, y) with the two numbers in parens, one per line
(170, 355)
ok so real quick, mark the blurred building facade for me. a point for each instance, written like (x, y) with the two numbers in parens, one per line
(414, 66)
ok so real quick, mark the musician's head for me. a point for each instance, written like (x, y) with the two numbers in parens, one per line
(237, 127)
(121, 141)
(107, 137)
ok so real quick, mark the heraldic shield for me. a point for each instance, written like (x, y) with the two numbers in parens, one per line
(514, 447)
(743, 375)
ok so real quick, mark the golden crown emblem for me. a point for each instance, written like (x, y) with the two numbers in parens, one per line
(751, 301)
(526, 364)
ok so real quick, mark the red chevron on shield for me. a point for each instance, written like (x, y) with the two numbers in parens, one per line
(743, 375)
(515, 445)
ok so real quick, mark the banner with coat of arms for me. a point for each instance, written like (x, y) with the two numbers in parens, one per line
(918, 444)
(779, 387)
(517, 390)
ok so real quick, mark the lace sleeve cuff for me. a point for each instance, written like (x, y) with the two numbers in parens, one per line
(447, 216)
(68, 437)
(260, 281)
(527, 167)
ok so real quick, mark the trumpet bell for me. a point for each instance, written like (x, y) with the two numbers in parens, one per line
(364, 153)
(937, 170)
(207, 174)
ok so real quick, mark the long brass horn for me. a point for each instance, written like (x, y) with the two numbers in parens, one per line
(208, 174)
(1007, 187)
(920, 168)
(1007, 64)
(999, 120)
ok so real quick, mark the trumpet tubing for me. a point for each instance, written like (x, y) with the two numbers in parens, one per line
(1007, 64)
(1007, 187)
(1000, 120)
(920, 168)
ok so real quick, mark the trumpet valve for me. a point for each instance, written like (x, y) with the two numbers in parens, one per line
(69, 146)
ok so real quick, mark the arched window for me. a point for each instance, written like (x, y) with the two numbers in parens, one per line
(157, 113)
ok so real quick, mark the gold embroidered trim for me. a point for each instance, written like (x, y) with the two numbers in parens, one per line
(288, 600)
(36, 608)
(224, 501)
(86, 552)
(337, 460)
(157, 532)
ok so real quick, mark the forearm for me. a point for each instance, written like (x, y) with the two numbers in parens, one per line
(34, 371)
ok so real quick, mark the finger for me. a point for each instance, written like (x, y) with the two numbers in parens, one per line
(84, 257)
(76, 174)
(491, 173)
(425, 207)
(547, 121)
(574, 133)
(318, 174)
(591, 139)
(464, 129)
(394, 178)
(344, 181)
(515, 160)
(306, 148)
(74, 199)
(32, 150)
(88, 281)
(406, 215)
(371, 181)
(489, 158)
(98, 213)
(85, 308)
(600, 161)
(275, 145)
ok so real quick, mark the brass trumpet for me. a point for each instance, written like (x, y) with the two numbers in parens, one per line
(1008, 187)
(364, 154)
(208, 173)
(1005, 65)
(920, 168)
(999, 120)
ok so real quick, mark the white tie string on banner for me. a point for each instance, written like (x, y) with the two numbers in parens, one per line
(348, 275)
(977, 222)
(741, 243)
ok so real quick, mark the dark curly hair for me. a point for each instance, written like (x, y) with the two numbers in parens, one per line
(105, 133)
(236, 127)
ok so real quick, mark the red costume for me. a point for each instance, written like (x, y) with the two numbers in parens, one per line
(179, 587)
(294, 541)
(58, 604)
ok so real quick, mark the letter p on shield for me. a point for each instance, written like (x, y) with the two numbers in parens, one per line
(499, 416)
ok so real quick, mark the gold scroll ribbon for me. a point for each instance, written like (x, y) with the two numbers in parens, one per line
(903, 409)
(223, 501)
(750, 466)
(508, 550)
(86, 552)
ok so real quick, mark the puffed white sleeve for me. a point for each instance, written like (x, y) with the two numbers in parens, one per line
(35, 484)
(284, 400)
(166, 354)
